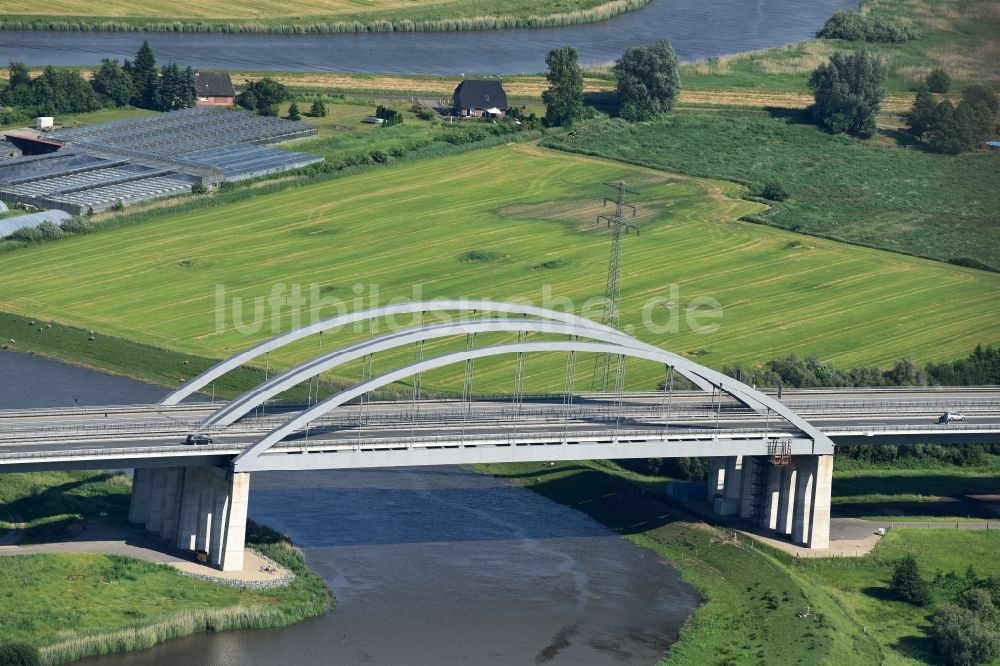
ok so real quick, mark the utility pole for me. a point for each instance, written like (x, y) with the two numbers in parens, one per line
(612, 293)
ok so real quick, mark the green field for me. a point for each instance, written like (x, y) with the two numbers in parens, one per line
(878, 194)
(515, 221)
(71, 605)
(308, 16)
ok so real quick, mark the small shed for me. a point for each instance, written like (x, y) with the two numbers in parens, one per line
(476, 98)
(214, 89)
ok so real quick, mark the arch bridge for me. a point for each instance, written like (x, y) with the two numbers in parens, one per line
(772, 465)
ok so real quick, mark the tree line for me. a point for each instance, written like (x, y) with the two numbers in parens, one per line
(138, 83)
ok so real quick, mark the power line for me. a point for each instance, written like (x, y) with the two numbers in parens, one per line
(612, 293)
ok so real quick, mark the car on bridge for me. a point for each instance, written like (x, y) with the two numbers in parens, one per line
(198, 439)
(948, 417)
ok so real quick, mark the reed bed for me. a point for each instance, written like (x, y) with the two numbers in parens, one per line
(596, 14)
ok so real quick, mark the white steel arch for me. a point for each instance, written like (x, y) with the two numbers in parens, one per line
(242, 405)
(443, 305)
(247, 461)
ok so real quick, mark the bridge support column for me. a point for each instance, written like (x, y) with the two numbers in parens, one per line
(750, 490)
(138, 507)
(811, 521)
(195, 508)
(772, 497)
(716, 478)
(786, 501)
(729, 503)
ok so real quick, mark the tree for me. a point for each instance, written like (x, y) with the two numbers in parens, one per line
(907, 584)
(318, 109)
(648, 82)
(19, 654)
(966, 633)
(938, 81)
(923, 114)
(264, 96)
(955, 129)
(175, 88)
(564, 97)
(18, 75)
(113, 83)
(293, 111)
(144, 77)
(848, 90)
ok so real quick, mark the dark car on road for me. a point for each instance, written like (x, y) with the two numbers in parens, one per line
(198, 439)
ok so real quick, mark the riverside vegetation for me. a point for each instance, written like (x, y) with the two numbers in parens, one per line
(764, 605)
(67, 606)
(313, 16)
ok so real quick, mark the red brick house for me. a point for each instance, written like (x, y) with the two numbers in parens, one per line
(214, 89)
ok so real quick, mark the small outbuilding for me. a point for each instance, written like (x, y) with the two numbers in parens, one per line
(477, 98)
(214, 89)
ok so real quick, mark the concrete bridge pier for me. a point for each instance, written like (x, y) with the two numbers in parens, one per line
(791, 500)
(194, 508)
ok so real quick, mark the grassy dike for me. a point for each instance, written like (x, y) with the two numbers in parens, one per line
(71, 605)
(752, 594)
(312, 16)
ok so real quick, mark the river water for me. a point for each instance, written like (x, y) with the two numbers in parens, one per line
(697, 28)
(429, 565)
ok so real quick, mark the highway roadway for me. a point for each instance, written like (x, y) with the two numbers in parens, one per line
(847, 416)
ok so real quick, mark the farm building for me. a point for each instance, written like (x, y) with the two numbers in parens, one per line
(480, 97)
(214, 89)
(129, 161)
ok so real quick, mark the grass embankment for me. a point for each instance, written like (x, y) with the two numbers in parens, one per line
(957, 35)
(501, 223)
(861, 585)
(867, 192)
(312, 16)
(752, 597)
(753, 593)
(72, 605)
(895, 492)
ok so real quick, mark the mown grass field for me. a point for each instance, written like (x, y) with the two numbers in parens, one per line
(312, 15)
(510, 222)
(870, 192)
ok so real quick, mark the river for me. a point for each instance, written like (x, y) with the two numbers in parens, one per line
(429, 565)
(697, 28)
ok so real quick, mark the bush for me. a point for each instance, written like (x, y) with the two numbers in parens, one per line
(198, 188)
(318, 109)
(907, 584)
(118, 206)
(50, 231)
(938, 81)
(27, 235)
(424, 113)
(390, 116)
(76, 225)
(380, 156)
(964, 637)
(774, 191)
(854, 27)
(19, 654)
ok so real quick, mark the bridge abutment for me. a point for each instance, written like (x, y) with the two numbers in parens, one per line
(791, 500)
(195, 508)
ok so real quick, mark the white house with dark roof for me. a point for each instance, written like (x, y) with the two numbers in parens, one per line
(214, 89)
(477, 98)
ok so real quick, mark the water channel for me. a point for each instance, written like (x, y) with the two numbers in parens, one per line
(697, 28)
(429, 565)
